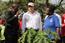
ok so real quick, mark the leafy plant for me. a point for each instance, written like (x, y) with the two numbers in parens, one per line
(41, 37)
(56, 36)
(31, 36)
(27, 37)
(22, 38)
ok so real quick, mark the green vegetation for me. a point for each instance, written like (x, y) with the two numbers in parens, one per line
(31, 36)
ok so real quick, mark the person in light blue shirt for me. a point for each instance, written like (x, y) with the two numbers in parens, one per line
(52, 22)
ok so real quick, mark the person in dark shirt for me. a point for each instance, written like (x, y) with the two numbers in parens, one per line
(11, 31)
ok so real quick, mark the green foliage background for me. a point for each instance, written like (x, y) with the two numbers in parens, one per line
(23, 5)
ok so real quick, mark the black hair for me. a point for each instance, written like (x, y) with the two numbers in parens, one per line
(51, 8)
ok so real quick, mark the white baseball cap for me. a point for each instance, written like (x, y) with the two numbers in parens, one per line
(30, 4)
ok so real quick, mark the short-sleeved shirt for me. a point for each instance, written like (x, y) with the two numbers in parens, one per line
(51, 22)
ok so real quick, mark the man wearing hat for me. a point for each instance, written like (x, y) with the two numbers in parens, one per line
(31, 19)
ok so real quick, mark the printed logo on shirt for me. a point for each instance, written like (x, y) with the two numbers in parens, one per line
(51, 20)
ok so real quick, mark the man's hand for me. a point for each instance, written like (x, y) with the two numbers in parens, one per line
(17, 14)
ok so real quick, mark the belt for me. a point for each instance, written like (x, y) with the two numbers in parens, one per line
(31, 28)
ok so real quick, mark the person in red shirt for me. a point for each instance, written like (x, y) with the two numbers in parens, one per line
(20, 23)
(2, 21)
(63, 28)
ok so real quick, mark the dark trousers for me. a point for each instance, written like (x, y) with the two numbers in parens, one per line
(63, 39)
(11, 34)
(11, 39)
(2, 41)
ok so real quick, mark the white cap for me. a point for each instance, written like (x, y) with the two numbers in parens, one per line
(30, 4)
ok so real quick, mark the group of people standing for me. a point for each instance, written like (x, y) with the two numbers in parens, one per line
(53, 21)
(32, 19)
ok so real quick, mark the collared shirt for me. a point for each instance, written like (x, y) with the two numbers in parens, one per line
(30, 20)
(51, 23)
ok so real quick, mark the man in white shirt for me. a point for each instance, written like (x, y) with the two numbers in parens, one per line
(31, 19)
